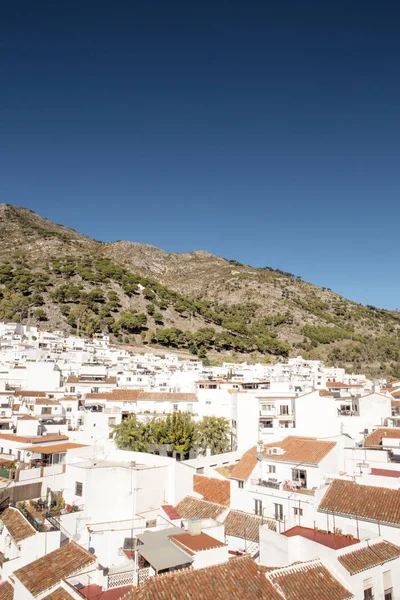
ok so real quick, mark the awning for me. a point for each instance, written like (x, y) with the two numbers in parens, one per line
(164, 557)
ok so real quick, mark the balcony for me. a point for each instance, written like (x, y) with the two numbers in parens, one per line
(300, 487)
(269, 483)
(345, 412)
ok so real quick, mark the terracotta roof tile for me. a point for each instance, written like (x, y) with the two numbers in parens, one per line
(371, 556)
(171, 512)
(238, 579)
(375, 438)
(308, 581)
(46, 402)
(176, 397)
(226, 470)
(363, 501)
(295, 450)
(55, 448)
(59, 594)
(29, 393)
(6, 591)
(196, 543)
(212, 489)
(36, 439)
(117, 395)
(246, 526)
(246, 464)
(17, 525)
(49, 570)
(193, 508)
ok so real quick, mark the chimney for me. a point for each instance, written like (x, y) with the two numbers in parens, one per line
(194, 527)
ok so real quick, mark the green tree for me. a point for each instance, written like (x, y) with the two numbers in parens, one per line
(40, 314)
(180, 432)
(131, 434)
(214, 433)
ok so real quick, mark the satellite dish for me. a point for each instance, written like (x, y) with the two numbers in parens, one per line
(91, 550)
(76, 537)
(260, 456)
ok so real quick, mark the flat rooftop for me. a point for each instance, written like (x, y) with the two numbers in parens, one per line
(335, 541)
(99, 463)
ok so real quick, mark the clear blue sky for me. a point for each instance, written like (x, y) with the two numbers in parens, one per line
(267, 132)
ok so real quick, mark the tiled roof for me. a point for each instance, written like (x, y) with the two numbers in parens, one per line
(376, 437)
(295, 450)
(46, 572)
(371, 556)
(246, 464)
(29, 393)
(225, 471)
(245, 526)
(385, 472)
(36, 439)
(238, 579)
(171, 512)
(212, 489)
(363, 501)
(168, 396)
(17, 525)
(55, 448)
(6, 591)
(308, 581)
(196, 543)
(27, 418)
(193, 508)
(116, 394)
(59, 594)
(46, 402)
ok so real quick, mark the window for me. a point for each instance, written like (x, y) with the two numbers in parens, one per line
(69, 409)
(298, 511)
(95, 390)
(139, 379)
(46, 411)
(129, 379)
(241, 484)
(387, 585)
(175, 407)
(271, 468)
(258, 507)
(300, 477)
(284, 410)
(78, 488)
(129, 543)
(368, 591)
(190, 408)
(208, 401)
(278, 512)
(72, 389)
(111, 421)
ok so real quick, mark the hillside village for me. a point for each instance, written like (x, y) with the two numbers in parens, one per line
(305, 495)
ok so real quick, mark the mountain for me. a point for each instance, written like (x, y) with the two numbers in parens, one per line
(195, 301)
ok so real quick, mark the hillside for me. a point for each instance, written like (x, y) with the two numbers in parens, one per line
(58, 278)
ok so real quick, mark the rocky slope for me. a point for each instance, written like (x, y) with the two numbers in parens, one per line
(194, 300)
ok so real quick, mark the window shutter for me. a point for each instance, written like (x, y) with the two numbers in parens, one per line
(387, 580)
(368, 583)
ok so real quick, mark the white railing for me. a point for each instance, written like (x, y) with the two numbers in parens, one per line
(120, 579)
(144, 574)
